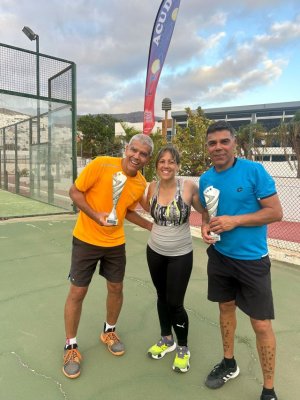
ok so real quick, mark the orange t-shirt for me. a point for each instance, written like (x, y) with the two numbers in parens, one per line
(95, 181)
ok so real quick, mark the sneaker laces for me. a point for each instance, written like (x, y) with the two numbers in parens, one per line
(182, 351)
(161, 342)
(111, 337)
(165, 341)
(218, 369)
(72, 355)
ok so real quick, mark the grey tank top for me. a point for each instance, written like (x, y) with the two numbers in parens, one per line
(170, 234)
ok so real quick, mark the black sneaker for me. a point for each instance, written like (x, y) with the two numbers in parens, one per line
(268, 397)
(220, 375)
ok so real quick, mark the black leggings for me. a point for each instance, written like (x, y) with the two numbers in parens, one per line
(170, 276)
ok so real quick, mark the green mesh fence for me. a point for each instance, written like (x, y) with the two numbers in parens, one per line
(37, 127)
(18, 73)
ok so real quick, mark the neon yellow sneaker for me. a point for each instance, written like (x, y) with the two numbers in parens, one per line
(161, 348)
(182, 359)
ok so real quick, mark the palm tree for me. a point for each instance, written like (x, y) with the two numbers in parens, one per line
(129, 132)
(248, 138)
(289, 136)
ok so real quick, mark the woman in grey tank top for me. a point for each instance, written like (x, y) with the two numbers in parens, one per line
(170, 254)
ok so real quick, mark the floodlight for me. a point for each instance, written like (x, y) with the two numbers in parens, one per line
(29, 33)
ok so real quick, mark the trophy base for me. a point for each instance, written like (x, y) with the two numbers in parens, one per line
(112, 221)
(215, 236)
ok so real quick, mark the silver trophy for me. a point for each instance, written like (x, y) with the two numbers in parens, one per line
(118, 183)
(211, 196)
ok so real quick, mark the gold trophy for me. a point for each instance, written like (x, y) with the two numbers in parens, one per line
(211, 196)
(118, 183)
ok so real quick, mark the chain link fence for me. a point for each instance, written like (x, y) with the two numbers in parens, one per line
(27, 73)
(286, 233)
(37, 125)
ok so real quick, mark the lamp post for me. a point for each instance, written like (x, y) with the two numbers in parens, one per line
(166, 106)
(33, 36)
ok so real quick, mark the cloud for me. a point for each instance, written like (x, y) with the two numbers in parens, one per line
(265, 75)
(281, 33)
(218, 49)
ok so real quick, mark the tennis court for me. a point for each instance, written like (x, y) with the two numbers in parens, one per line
(35, 257)
(13, 205)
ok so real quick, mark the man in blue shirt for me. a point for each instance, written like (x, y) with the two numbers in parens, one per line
(238, 265)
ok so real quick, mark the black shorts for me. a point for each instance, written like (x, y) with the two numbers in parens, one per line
(85, 257)
(248, 282)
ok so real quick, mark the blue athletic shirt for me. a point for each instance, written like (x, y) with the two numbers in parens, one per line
(241, 187)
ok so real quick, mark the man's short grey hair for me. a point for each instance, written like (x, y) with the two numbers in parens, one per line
(144, 139)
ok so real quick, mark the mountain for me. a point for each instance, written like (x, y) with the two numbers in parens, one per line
(136, 116)
(5, 111)
(10, 117)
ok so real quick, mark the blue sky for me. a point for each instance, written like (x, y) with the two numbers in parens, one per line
(221, 54)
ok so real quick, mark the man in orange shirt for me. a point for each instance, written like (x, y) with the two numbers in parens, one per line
(96, 238)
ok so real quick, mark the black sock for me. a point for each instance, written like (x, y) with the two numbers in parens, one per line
(268, 391)
(230, 362)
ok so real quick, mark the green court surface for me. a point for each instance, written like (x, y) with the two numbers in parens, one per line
(13, 205)
(35, 259)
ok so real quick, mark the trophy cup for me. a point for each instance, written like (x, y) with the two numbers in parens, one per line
(211, 196)
(118, 183)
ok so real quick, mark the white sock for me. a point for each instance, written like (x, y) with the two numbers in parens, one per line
(71, 341)
(107, 326)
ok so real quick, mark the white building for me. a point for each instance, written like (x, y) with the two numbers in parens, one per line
(9, 117)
